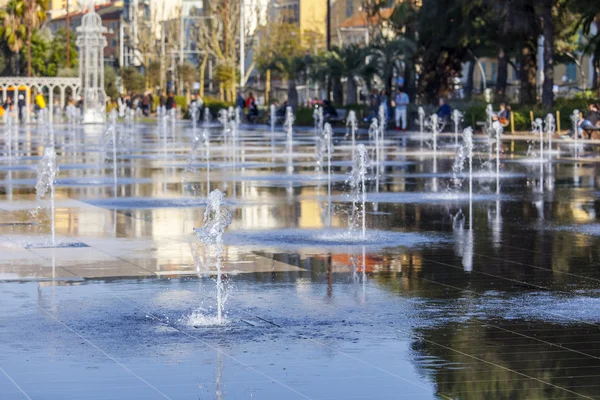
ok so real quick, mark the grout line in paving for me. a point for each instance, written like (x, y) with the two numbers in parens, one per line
(15, 383)
(103, 352)
(283, 328)
(216, 349)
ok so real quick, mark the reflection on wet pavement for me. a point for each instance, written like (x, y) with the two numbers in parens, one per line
(426, 306)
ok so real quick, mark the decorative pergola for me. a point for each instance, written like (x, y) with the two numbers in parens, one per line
(91, 43)
(51, 85)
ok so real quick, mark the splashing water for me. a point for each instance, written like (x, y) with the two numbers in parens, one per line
(457, 118)
(497, 127)
(421, 125)
(468, 147)
(489, 112)
(46, 175)
(289, 128)
(575, 122)
(206, 138)
(352, 123)
(357, 183)
(538, 128)
(194, 113)
(216, 220)
(207, 115)
(550, 128)
(196, 144)
(327, 137)
(458, 167)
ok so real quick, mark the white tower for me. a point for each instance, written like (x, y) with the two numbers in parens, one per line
(91, 43)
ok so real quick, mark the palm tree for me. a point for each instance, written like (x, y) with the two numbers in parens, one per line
(354, 68)
(34, 15)
(389, 56)
(12, 29)
(291, 67)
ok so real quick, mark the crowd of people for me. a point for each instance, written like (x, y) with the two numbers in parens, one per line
(395, 108)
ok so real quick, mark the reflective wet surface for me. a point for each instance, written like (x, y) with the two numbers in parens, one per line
(426, 306)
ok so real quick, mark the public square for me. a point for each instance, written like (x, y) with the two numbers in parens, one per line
(299, 199)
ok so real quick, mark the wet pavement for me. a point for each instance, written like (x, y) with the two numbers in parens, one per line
(427, 306)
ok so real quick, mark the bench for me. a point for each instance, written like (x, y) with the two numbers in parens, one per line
(589, 131)
(340, 117)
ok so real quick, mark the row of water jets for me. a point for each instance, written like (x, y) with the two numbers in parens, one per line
(216, 219)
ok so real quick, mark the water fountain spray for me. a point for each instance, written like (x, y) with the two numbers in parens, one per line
(373, 133)
(457, 118)
(538, 127)
(357, 182)
(327, 136)
(46, 174)
(381, 138)
(194, 113)
(433, 122)
(497, 127)
(550, 128)
(206, 138)
(575, 122)
(8, 143)
(352, 122)
(216, 220)
(289, 128)
(111, 132)
(468, 146)
(207, 116)
(489, 112)
(421, 124)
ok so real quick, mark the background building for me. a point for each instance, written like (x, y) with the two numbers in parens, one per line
(309, 15)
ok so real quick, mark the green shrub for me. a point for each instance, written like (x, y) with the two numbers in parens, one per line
(214, 105)
(181, 102)
(304, 116)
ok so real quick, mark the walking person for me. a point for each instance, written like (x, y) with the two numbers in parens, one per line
(401, 104)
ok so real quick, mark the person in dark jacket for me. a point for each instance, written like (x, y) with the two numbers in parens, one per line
(170, 103)
(445, 110)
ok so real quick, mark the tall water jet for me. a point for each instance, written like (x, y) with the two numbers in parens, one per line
(575, 122)
(289, 128)
(46, 175)
(327, 136)
(273, 120)
(207, 116)
(421, 125)
(373, 133)
(216, 220)
(206, 138)
(457, 118)
(433, 119)
(497, 127)
(381, 139)
(489, 112)
(550, 128)
(458, 167)
(194, 113)
(357, 182)
(8, 144)
(538, 128)
(352, 122)
(468, 145)
(196, 144)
